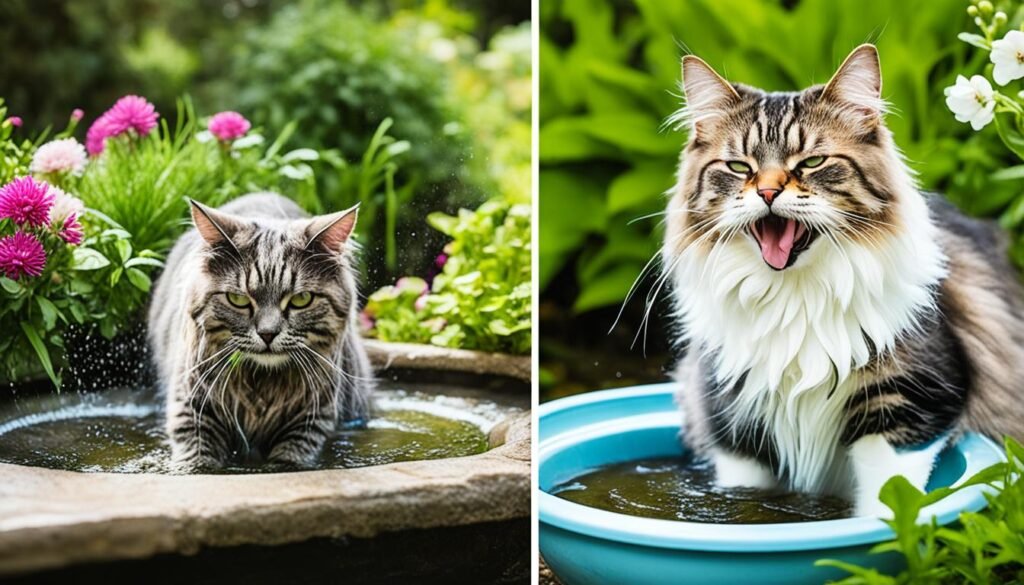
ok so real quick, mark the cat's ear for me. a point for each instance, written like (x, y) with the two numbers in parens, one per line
(214, 226)
(332, 231)
(857, 86)
(708, 94)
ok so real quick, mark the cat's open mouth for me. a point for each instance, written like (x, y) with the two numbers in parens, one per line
(781, 239)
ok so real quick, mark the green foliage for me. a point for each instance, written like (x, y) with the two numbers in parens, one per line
(609, 72)
(338, 73)
(985, 548)
(144, 184)
(480, 300)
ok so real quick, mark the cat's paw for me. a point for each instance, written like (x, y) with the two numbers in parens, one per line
(732, 471)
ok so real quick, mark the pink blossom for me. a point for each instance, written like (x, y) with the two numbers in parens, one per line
(441, 260)
(228, 125)
(77, 114)
(71, 230)
(15, 121)
(21, 254)
(26, 201)
(64, 205)
(421, 302)
(365, 321)
(59, 156)
(129, 113)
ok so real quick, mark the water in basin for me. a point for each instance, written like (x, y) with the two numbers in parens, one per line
(122, 431)
(684, 489)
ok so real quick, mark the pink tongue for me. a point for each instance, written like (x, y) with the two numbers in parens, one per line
(777, 242)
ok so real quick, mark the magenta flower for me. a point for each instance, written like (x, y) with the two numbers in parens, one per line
(71, 230)
(129, 113)
(15, 121)
(441, 260)
(77, 114)
(228, 126)
(21, 254)
(26, 201)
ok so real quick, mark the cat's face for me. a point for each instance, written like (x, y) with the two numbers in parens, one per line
(277, 291)
(786, 171)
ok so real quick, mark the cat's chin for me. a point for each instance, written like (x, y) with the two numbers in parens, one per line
(267, 359)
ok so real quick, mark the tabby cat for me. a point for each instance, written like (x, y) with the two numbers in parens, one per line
(253, 327)
(837, 319)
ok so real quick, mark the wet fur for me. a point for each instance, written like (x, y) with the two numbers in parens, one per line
(901, 324)
(261, 409)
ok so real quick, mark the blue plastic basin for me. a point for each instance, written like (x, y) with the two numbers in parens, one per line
(585, 546)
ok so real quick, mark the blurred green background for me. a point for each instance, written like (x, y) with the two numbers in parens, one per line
(454, 75)
(609, 77)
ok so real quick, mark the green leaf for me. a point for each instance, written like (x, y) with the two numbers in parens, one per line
(1009, 173)
(307, 154)
(49, 312)
(115, 276)
(40, 348)
(139, 279)
(139, 261)
(607, 288)
(124, 250)
(88, 259)
(973, 39)
(9, 285)
(1008, 126)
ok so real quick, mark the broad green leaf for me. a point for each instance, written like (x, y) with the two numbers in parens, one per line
(49, 312)
(139, 261)
(88, 259)
(139, 279)
(9, 285)
(37, 344)
(124, 250)
(1008, 126)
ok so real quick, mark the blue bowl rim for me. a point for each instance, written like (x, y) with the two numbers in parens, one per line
(979, 452)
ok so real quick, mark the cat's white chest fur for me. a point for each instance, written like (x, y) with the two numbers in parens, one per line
(797, 337)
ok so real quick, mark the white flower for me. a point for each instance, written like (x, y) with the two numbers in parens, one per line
(64, 205)
(1008, 56)
(58, 156)
(971, 101)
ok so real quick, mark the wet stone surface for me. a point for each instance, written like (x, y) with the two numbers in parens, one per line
(684, 490)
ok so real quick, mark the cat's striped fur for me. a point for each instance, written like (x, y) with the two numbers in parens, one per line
(834, 314)
(266, 381)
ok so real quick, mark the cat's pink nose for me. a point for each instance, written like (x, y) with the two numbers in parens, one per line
(768, 194)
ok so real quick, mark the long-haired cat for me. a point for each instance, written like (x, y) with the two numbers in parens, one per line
(837, 319)
(254, 333)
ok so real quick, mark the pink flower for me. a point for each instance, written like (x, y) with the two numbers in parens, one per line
(59, 156)
(21, 254)
(77, 114)
(64, 205)
(421, 302)
(15, 121)
(71, 230)
(228, 125)
(441, 260)
(365, 321)
(129, 113)
(26, 201)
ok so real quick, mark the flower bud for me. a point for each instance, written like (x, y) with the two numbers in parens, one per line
(986, 8)
(972, 11)
(1000, 18)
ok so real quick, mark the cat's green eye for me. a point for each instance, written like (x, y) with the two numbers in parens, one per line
(300, 300)
(240, 301)
(738, 166)
(812, 162)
